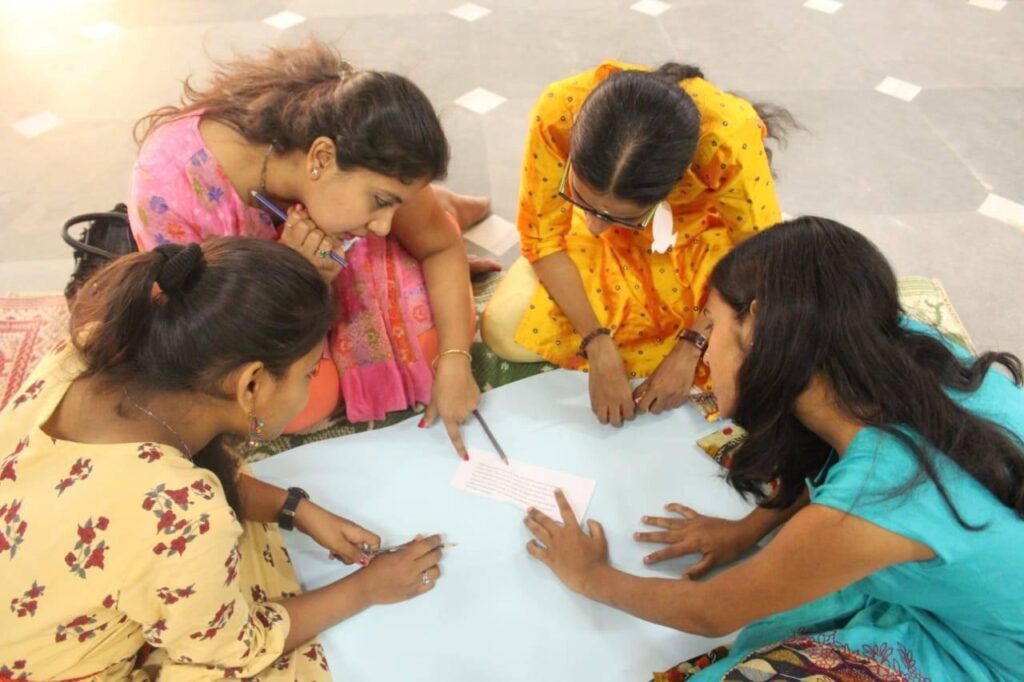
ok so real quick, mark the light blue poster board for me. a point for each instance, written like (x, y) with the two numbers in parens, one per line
(496, 613)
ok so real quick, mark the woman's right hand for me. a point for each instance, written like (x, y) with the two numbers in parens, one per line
(611, 397)
(399, 576)
(302, 234)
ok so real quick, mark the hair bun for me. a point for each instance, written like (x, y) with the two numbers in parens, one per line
(179, 264)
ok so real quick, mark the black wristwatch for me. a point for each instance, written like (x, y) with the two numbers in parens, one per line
(286, 519)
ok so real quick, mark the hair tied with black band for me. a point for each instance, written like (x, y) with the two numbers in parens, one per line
(179, 264)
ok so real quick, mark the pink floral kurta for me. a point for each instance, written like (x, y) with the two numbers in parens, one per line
(179, 193)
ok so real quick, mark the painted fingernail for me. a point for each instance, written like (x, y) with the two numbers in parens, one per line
(364, 560)
(464, 456)
(423, 423)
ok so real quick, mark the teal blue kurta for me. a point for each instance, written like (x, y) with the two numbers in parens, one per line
(957, 617)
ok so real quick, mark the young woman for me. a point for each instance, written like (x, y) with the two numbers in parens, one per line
(605, 149)
(129, 540)
(347, 155)
(899, 462)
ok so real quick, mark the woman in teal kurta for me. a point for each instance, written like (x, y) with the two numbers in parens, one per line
(897, 464)
(959, 616)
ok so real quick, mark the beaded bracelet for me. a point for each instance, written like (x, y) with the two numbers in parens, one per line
(605, 331)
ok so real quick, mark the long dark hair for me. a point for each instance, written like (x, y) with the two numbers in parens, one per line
(827, 305)
(180, 318)
(637, 131)
(292, 95)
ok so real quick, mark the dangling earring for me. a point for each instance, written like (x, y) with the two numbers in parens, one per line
(316, 173)
(255, 429)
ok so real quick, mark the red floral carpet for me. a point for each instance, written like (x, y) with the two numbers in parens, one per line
(30, 326)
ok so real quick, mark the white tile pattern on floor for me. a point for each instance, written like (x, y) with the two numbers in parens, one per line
(653, 8)
(1002, 209)
(469, 12)
(826, 6)
(480, 100)
(103, 29)
(284, 20)
(37, 124)
(899, 89)
(994, 5)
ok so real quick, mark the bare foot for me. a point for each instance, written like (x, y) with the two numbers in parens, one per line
(468, 211)
(479, 266)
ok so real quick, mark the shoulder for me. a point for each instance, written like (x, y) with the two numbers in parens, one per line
(717, 106)
(874, 462)
(174, 138)
(730, 127)
(40, 390)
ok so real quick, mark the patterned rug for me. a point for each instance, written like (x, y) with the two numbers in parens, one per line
(31, 325)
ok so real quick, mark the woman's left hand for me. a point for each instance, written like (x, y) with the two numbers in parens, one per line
(454, 396)
(669, 386)
(341, 537)
(567, 550)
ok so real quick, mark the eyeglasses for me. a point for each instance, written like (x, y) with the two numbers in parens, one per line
(601, 215)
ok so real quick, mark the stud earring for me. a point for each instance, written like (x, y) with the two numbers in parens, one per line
(316, 173)
(255, 429)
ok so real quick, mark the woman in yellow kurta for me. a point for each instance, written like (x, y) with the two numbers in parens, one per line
(131, 547)
(635, 183)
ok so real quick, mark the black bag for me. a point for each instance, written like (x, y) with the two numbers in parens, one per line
(106, 237)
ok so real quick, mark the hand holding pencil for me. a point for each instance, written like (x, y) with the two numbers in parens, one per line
(302, 234)
(404, 572)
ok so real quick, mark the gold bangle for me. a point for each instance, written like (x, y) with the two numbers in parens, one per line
(451, 351)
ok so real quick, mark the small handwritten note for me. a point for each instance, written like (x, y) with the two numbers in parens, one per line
(524, 485)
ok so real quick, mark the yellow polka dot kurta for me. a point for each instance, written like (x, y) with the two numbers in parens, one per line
(646, 298)
(124, 561)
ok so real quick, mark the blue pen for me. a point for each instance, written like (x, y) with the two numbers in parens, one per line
(282, 216)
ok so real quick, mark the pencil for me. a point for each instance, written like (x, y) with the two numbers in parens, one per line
(399, 548)
(494, 441)
(282, 216)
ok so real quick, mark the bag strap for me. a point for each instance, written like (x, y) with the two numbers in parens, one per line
(79, 245)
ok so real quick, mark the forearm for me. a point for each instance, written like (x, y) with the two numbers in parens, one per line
(446, 273)
(763, 521)
(313, 612)
(684, 605)
(262, 502)
(429, 234)
(562, 280)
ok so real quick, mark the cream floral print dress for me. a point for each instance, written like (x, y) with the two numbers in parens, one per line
(125, 561)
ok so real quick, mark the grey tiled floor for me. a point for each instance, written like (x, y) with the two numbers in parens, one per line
(911, 175)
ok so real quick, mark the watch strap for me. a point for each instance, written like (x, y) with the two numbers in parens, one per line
(696, 338)
(286, 519)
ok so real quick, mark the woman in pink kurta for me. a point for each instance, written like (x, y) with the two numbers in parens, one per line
(346, 155)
